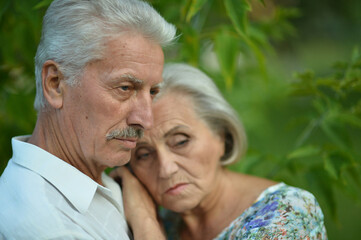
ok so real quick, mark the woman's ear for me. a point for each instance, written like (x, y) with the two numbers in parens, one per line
(227, 144)
(53, 84)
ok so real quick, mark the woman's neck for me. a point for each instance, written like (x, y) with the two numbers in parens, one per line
(233, 193)
(215, 212)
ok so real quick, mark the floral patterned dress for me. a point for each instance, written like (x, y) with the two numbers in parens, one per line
(280, 212)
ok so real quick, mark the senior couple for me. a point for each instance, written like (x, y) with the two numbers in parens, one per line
(101, 103)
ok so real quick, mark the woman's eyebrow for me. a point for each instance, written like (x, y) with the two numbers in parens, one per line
(141, 143)
(174, 129)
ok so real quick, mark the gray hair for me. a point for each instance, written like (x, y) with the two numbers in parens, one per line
(209, 104)
(74, 34)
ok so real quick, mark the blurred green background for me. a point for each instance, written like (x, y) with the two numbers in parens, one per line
(291, 68)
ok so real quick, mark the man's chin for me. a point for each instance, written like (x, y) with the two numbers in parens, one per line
(119, 160)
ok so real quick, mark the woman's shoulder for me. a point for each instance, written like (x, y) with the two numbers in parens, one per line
(280, 211)
(282, 192)
(286, 199)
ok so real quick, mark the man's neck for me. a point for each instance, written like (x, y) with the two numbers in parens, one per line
(50, 136)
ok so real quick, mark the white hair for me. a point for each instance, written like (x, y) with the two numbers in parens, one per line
(75, 31)
(209, 105)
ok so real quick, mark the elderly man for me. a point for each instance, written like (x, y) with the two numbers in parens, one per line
(98, 67)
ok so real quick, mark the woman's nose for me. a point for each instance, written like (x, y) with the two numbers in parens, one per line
(167, 164)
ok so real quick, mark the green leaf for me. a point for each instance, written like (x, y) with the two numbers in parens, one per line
(226, 48)
(44, 3)
(190, 46)
(321, 183)
(337, 162)
(306, 133)
(262, 1)
(4, 5)
(237, 12)
(194, 7)
(330, 167)
(355, 55)
(350, 186)
(349, 118)
(329, 132)
(305, 151)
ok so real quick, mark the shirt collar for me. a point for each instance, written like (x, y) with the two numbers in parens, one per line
(77, 187)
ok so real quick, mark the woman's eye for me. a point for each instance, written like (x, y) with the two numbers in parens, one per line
(142, 154)
(178, 141)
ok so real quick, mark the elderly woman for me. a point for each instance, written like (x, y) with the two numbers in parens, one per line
(181, 162)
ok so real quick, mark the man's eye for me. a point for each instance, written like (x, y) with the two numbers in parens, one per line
(154, 91)
(125, 88)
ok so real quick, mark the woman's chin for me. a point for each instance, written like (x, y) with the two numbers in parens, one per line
(179, 206)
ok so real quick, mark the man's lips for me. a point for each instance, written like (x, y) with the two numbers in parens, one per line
(176, 189)
(128, 142)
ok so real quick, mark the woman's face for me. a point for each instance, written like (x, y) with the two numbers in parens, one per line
(178, 160)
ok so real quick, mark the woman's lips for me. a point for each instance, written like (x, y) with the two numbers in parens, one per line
(176, 189)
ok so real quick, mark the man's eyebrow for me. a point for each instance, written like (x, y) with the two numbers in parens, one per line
(157, 86)
(131, 78)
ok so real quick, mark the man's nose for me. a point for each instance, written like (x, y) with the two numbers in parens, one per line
(141, 113)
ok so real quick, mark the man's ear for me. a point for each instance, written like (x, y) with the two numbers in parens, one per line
(53, 84)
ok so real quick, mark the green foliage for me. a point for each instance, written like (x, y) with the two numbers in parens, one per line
(20, 28)
(336, 115)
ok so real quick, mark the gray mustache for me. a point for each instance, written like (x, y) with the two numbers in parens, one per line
(129, 132)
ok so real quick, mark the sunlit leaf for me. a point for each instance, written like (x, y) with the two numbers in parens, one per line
(226, 48)
(329, 82)
(305, 151)
(194, 7)
(237, 12)
(43, 3)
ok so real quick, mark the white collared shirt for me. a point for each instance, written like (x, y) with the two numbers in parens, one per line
(43, 197)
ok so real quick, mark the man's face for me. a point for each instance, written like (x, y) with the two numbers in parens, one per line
(114, 93)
